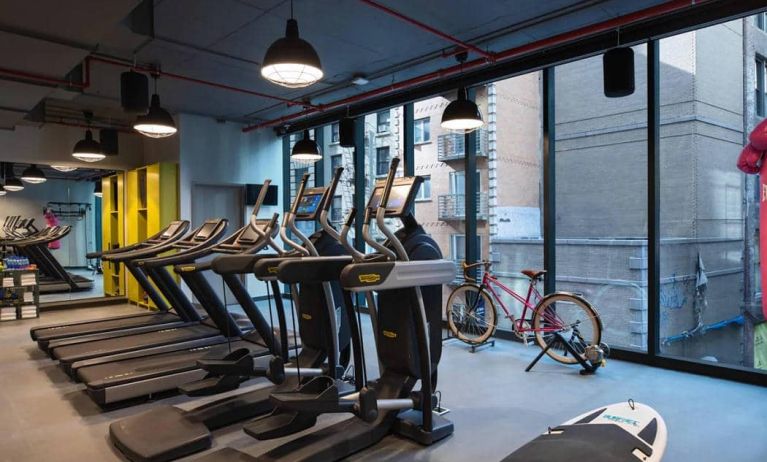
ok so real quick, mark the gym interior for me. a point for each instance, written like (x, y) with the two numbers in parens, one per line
(319, 230)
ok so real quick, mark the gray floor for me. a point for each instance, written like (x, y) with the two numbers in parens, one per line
(496, 407)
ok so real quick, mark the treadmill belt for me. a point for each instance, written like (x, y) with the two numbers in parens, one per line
(105, 347)
(147, 367)
(106, 325)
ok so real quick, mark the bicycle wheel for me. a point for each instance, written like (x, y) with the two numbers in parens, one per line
(573, 318)
(471, 314)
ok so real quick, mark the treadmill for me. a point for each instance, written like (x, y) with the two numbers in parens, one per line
(53, 276)
(145, 372)
(168, 432)
(95, 328)
(197, 331)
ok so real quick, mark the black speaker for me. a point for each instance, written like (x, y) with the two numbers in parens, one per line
(618, 69)
(346, 132)
(134, 92)
(109, 141)
(252, 190)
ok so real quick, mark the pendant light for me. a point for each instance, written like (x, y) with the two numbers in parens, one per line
(63, 168)
(157, 123)
(97, 189)
(33, 175)
(2, 190)
(291, 61)
(306, 150)
(12, 184)
(462, 114)
(88, 149)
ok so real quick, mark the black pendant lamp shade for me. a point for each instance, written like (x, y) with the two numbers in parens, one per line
(97, 188)
(88, 149)
(2, 190)
(462, 114)
(12, 184)
(33, 175)
(157, 123)
(134, 92)
(618, 70)
(291, 61)
(306, 150)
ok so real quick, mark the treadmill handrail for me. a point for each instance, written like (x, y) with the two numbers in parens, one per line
(183, 227)
(150, 251)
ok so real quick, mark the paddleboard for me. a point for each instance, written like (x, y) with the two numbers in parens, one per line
(621, 432)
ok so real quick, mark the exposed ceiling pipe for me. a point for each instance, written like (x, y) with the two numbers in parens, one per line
(490, 56)
(161, 73)
(605, 26)
(45, 79)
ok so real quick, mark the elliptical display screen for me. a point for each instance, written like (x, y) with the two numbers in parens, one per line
(397, 198)
(308, 206)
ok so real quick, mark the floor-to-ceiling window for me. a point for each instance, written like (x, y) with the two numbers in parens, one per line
(710, 301)
(601, 196)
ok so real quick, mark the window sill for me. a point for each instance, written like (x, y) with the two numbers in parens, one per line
(422, 143)
(425, 199)
(386, 133)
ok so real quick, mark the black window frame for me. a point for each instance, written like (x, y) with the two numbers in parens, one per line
(385, 125)
(382, 166)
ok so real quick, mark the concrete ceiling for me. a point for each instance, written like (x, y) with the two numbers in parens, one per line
(224, 40)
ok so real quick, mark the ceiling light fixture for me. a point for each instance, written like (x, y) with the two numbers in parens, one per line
(2, 190)
(306, 150)
(33, 175)
(64, 168)
(462, 114)
(157, 123)
(12, 184)
(97, 189)
(291, 61)
(88, 149)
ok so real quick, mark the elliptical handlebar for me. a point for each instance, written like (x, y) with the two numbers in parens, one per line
(288, 223)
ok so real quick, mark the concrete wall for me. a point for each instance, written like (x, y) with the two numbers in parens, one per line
(30, 202)
(215, 153)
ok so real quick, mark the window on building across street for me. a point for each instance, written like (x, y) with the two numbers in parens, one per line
(761, 21)
(336, 210)
(383, 121)
(335, 136)
(424, 192)
(759, 85)
(382, 160)
(421, 130)
(335, 162)
(458, 247)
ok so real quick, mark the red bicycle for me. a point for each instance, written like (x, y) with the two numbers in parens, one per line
(472, 315)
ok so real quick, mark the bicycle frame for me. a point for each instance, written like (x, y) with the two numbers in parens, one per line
(488, 280)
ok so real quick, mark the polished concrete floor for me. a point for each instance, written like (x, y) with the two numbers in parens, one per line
(495, 405)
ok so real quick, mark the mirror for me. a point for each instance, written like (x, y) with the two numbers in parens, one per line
(53, 223)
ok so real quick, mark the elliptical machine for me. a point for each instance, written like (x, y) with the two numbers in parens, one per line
(407, 272)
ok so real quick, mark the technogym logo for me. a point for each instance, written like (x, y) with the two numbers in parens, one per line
(369, 278)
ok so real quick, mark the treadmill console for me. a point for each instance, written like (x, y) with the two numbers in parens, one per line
(310, 204)
(205, 231)
(403, 192)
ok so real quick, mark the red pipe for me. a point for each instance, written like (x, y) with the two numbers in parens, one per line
(172, 75)
(43, 78)
(649, 13)
(428, 28)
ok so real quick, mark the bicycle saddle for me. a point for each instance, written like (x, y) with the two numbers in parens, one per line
(533, 274)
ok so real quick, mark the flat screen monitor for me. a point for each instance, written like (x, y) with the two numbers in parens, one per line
(308, 205)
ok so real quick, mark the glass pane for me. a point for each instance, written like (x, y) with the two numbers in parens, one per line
(711, 307)
(601, 197)
(338, 156)
(297, 170)
(509, 160)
